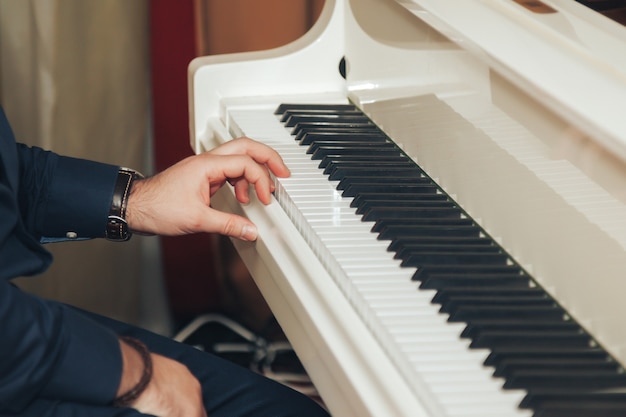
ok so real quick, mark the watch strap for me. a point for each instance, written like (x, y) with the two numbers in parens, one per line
(117, 227)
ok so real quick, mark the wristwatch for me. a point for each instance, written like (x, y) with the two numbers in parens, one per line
(117, 227)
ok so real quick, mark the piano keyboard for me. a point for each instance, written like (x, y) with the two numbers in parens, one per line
(465, 325)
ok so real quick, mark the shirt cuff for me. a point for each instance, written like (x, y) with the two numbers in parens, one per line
(79, 199)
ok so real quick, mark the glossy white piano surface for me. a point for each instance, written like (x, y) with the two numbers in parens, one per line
(517, 115)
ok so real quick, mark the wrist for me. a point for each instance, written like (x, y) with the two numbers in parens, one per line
(137, 371)
(117, 228)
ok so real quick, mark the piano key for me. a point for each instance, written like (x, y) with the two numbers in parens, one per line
(381, 149)
(570, 401)
(468, 270)
(361, 164)
(508, 366)
(332, 135)
(312, 107)
(468, 313)
(418, 251)
(312, 128)
(430, 191)
(296, 119)
(335, 112)
(382, 214)
(363, 159)
(307, 126)
(347, 181)
(477, 280)
(378, 169)
(348, 147)
(400, 245)
(495, 338)
(460, 258)
(444, 295)
(441, 227)
(495, 358)
(353, 190)
(434, 351)
(576, 379)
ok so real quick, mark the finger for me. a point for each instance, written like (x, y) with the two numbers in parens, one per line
(242, 189)
(258, 151)
(244, 170)
(230, 225)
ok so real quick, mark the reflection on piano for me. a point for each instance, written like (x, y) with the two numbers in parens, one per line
(451, 240)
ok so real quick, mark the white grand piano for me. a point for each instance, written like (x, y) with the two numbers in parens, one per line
(517, 110)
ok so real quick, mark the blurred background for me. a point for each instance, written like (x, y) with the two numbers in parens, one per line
(107, 80)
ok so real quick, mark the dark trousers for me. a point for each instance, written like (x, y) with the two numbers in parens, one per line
(229, 390)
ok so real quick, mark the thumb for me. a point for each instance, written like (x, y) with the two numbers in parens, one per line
(232, 225)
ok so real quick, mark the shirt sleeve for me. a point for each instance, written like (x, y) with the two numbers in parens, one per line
(49, 350)
(61, 195)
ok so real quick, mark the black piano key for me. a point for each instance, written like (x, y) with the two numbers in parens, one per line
(376, 169)
(479, 297)
(424, 203)
(346, 146)
(308, 138)
(510, 366)
(497, 357)
(494, 339)
(345, 182)
(440, 281)
(574, 379)
(554, 399)
(379, 149)
(442, 227)
(285, 115)
(365, 197)
(366, 129)
(363, 159)
(454, 257)
(528, 312)
(397, 245)
(312, 107)
(353, 190)
(382, 213)
(415, 249)
(572, 410)
(308, 126)
(355, 168)
(422, 256)
(323, 118)
(354, 186)
(469, 270)
(449, 293)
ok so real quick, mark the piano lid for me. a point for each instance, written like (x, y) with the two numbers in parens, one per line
(570, 59)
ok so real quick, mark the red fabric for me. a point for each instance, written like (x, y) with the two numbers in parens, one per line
(189, 267)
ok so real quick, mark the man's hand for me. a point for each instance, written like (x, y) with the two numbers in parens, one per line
(177, 200)
(173, 390)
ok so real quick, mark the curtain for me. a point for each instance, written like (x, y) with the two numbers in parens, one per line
(74, 78)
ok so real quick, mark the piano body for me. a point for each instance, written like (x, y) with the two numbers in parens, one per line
(516, 110)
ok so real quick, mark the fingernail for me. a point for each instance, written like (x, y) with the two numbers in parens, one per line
(249, 232)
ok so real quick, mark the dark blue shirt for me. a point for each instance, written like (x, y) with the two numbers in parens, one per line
(47, 349)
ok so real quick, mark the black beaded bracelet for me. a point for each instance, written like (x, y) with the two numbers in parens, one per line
(127, 398)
